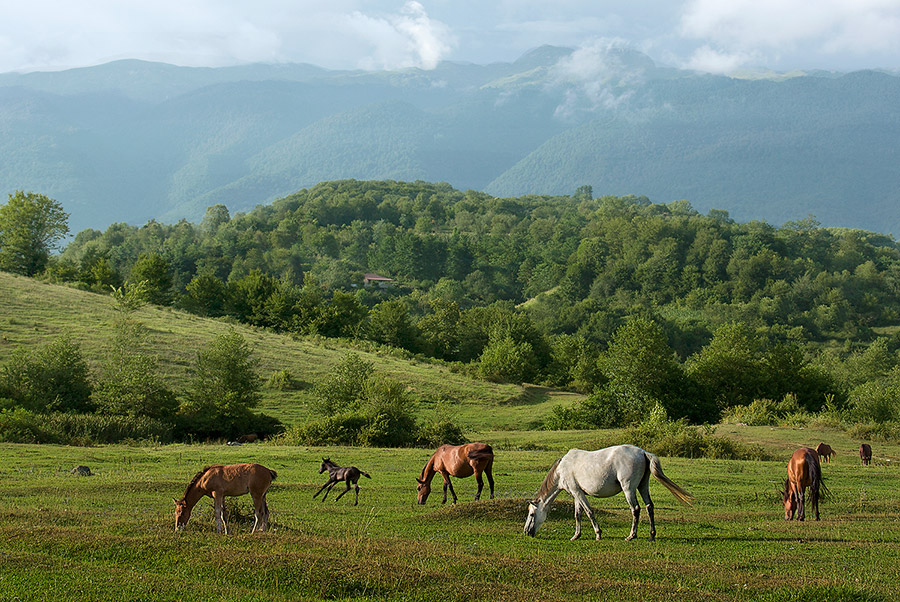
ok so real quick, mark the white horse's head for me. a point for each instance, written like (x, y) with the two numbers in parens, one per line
(537, 512)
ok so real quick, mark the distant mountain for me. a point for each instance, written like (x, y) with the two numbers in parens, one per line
(132, 141)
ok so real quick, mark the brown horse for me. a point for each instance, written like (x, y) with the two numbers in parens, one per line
(220, 481)
(336, 474)
(803, 471)
(865, 454)
(825, 452)
(458, 461)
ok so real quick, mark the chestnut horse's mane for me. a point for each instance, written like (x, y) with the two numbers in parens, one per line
(549, 483)
(193, 482)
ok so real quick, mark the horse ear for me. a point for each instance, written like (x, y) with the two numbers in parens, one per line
(420, 481)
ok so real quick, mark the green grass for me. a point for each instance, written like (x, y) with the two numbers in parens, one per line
(34, 313)
(110, 536)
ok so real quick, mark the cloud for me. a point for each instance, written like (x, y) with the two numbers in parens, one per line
(407, 39)
(596, 76)
(769, 30)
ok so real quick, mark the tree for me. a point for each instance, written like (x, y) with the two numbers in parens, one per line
(642, 370)
(390, 324)
(30, 226)
(343, 387)
(730, 368)
(156, 272)
(129, 383)
(225, 388)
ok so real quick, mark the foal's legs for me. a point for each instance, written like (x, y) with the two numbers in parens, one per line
(490, 477)
(581, 504)
(261, 513)
(341, 494)
(331, 482)
(219, 510)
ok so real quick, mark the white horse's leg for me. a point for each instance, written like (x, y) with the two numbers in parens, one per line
(645, 494)
(581, 504)
(631, 498)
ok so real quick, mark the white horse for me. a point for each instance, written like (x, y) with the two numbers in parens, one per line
(602, 473)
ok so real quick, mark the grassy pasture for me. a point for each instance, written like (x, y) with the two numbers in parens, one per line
(33, 313)
(110, 536)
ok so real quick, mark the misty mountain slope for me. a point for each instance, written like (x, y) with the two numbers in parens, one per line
(130, 141)
(761, 150)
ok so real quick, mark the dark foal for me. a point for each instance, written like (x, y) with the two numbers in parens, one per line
(350, 475)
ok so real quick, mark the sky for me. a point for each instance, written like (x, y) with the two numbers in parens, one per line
(718, 36)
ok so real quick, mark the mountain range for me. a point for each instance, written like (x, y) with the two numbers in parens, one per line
(132, 141)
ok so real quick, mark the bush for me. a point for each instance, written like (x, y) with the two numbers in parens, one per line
(603, 409)
(21, 426)
(889, 432)
(663, 437)
(441, 432)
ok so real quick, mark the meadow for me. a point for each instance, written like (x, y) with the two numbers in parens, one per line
(111, 536)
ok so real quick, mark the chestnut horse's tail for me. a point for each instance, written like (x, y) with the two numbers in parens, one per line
(273, 473)
(656, 470)
(817, 483)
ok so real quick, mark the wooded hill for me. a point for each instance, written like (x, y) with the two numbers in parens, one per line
(614, 295)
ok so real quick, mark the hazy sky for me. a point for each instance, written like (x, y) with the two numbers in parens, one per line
(710, 35)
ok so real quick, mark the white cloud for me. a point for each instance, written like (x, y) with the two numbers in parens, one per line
(407, 39)
(735, 30)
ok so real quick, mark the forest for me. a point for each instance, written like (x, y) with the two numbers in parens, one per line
(635, 304)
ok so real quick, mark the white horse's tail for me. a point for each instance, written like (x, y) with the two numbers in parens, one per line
(656, 470)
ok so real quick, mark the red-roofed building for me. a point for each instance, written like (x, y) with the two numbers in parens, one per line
(370, 280)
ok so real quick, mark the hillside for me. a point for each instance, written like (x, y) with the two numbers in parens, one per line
(34, 313)
(132, 141)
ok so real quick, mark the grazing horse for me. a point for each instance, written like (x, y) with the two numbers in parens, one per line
(803, 471)
(458, 461)
(220, 481)
(338, 473)
(602, 473)
(825, 452)
(865, 454)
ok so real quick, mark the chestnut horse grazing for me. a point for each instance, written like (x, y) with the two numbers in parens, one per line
(825, 452)
(337, 474)
(220, 481)
(803, 471)
(865, 454)
(602, 473)
(458, 461)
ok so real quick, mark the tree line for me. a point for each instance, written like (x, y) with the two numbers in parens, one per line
(630, 301)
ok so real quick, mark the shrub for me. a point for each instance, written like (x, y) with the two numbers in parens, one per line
(603, 409)
(440, 432)
(664, 437)
(21, 426)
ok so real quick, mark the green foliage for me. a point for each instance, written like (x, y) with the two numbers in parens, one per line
(155, 273)
(282, 380)
(225, 388)
(129, 381)
(56, 377)
(505, 360)
(664, 437)
(343, 387)
(19, 425)
(30, 226)
(642, 371)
